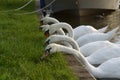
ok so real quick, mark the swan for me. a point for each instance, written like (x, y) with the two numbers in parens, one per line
(48, 21)
(46, 31)
(85, 29)
(51, 29)
(86, 50)
(105, 52)
(84, 39)
(62, 38)
(90, 48)
(78, 31)
(108, 69)
(96, 37)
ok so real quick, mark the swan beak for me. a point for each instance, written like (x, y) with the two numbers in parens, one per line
(46, 33)
(45, 55)
(47, 42)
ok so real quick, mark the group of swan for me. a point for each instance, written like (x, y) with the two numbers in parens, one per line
(108, 50)
(78, 31)
(108, 69)
(84, 38)
(90, 46)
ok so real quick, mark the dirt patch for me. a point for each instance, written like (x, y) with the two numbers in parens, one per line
(78, 69)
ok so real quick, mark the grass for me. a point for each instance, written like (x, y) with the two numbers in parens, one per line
(22, 44)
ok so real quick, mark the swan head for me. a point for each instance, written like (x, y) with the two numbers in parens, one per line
(52, 29)
(49, 30)
(51, 48)
(48, 40)
(48, 20)
(44, 27)
(51, 39)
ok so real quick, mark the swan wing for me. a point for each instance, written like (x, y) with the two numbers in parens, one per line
(103, 29)
(82, 30)
(110, 68)
(91, 38)
(104, 54)
(89, 48)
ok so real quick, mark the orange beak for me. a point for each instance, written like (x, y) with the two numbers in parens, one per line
(46, 33)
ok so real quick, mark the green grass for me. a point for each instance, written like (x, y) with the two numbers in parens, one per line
(22, 44)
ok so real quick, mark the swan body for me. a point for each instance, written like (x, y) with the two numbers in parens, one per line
(90, 48)
(108, 69)
(96, 37)
(104, 54)
(86, 29)
(78, 31)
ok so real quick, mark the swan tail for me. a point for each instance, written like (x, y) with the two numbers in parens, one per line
(112, 33)
(117, 38)
(102, 30)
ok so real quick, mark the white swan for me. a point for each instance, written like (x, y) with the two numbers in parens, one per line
(108, 69)
(96, 37)
(46, 27)
(86, 50)
(107, 52)
(84, 39)
(63, 39)
(104, 54)
(82, 30)
(78, 31)
(51, 29)
(90, 48)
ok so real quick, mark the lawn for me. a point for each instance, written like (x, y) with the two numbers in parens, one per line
(22, 44)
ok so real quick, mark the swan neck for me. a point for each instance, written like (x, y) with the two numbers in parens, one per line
(80, 58)
(72, 42)
(55, 20)
(69, 30)
(61, 32)
(66, 41)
